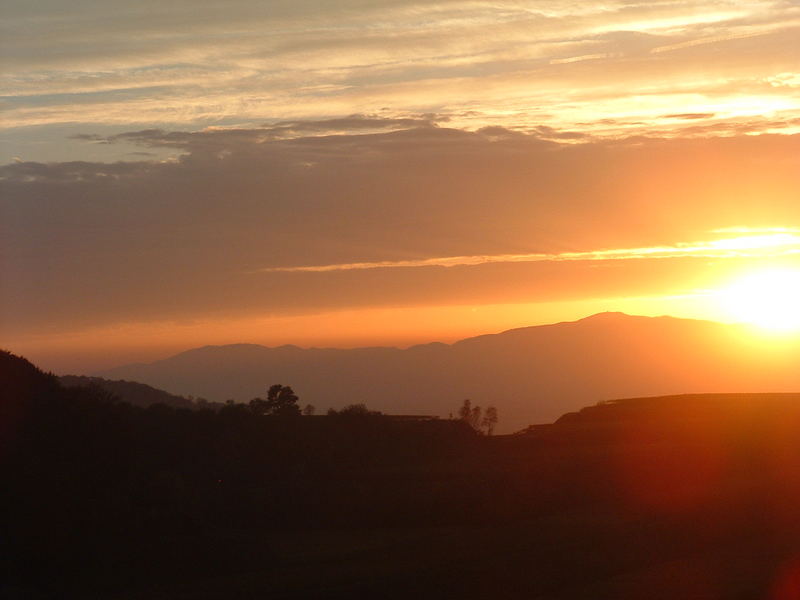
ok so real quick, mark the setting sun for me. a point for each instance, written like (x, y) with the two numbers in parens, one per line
(769, 299)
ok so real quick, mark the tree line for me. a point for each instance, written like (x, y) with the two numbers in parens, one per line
(482, 421)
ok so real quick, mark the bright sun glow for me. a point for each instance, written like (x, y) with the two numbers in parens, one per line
(768, 299)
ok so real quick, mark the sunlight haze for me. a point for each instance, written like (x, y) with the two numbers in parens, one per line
(389, 173)
(400, 299)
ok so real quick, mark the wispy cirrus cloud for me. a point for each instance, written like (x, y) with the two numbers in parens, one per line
(780, 241)
(595, 65)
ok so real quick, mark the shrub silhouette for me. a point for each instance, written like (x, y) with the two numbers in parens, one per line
(354, 410)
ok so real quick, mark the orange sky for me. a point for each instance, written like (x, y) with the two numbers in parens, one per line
(386, 173)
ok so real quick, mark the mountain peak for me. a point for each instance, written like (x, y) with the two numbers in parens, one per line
(607, 316)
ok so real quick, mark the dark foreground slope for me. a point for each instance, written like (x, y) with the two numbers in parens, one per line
(675, 497)
(137, 394)
(532, 374)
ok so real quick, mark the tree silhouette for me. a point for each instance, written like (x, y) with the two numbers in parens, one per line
(489, 420)
(471, 415)
(281, 402)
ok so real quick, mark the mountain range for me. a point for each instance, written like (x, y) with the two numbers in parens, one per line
(531, 374)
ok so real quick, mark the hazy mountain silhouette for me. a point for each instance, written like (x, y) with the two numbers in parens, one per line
(532, 374)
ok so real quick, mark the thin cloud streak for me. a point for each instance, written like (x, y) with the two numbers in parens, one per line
(777, 244)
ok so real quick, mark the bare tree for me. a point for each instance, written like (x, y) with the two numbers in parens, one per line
(489, 420)
(471, 415)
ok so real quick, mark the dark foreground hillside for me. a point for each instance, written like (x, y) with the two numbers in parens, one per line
(675, 497)
(131, 392)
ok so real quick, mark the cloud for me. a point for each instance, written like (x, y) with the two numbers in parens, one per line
(712, 40)
(756, 230)
(353, 124)
(90, 243)
(690, 116)
(777, 243)
(188, 65)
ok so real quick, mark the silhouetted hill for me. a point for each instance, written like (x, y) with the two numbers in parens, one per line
(744, 418)
(19, 378)
(20, 383)
(137, 394)
(713, 409)
(532, 374)
(691, 496)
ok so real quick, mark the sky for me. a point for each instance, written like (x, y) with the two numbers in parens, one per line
(175, 174)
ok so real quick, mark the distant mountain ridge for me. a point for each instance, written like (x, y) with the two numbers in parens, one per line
(531, 374)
